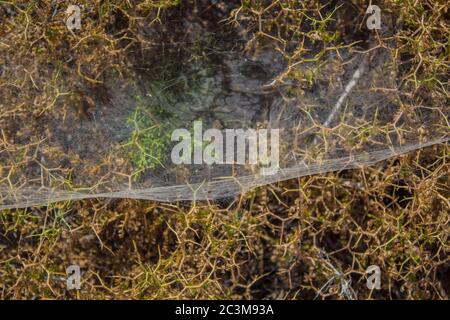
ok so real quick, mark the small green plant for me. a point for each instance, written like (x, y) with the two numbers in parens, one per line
(168, 104)
(149, 144)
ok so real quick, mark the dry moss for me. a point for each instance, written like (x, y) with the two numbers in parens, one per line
(285, 240)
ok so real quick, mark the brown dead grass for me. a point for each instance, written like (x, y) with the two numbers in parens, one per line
(281, 241)
(285, 240)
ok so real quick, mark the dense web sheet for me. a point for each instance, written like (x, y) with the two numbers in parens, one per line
(347, 109)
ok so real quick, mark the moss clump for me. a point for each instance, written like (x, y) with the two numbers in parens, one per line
(174, 100)
(149, 144)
